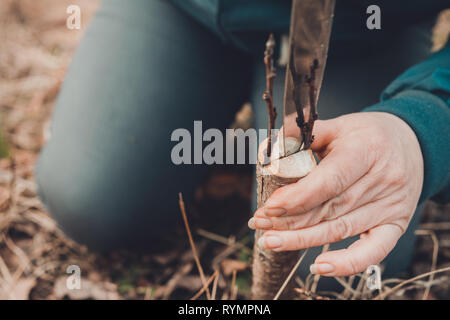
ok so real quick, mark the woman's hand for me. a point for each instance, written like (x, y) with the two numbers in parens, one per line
(367, 183)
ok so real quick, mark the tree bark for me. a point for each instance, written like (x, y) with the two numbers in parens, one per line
(270, 268)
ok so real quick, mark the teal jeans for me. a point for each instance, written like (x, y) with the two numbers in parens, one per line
(144, 69)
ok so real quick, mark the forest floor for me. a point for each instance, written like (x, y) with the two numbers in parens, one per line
(35, 51)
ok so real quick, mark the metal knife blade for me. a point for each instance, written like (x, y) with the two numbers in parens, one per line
(309, 36)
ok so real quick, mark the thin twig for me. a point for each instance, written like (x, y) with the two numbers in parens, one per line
(268, 94)
(24, 261)
(359, 287)
(332, 293)
(300, 282)
(205, 286)
(214, 289)
(191, 241)
(346, 286)
(234, 289)
(308, 281)
(5, 271)
(223, 240)
(173, 282)
(7, 278)
(230, 242)
(12, 183)
(434, 258)
(347, 293)
(392, 290)
(310, 294)
(435, 226)
(294, 269)
(312, 104)
(391, 280)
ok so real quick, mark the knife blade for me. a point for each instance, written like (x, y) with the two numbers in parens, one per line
(309, 36)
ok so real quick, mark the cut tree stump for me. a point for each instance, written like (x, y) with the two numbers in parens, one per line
(270, 268)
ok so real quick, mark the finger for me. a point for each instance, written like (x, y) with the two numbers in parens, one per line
(369, 250)
(341, 168)
(360, 193)
(356, 222)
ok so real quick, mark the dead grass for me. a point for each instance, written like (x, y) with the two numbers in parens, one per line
(35, 51)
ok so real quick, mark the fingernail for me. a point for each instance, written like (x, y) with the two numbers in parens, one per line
(251, 223)
(270, 242)
(321, 268)
(263, 223)
(274, 212)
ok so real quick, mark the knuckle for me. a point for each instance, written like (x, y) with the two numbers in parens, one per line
(334, 183)
(289, 223)
(300, 242)
(344, 228)
(333, 207)
(329, 209)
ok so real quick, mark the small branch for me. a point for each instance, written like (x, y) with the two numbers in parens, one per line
(234, 288)
(347, 286)
(311, 81)
(226, 241)
(392, 290)
(347, 293)
(214, 289)
(294, 269)
(435, 226)
(173, 282)
(360, 287)
(434, 258)
(267, 96)
(297, 79)
(191, 241)
(312, 295)
(205, 286)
